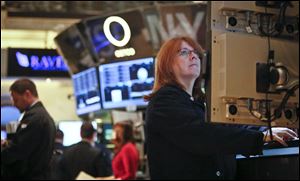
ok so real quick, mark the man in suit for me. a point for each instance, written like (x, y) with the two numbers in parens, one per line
(57, 155)
(85, 156)
(28, 154)
(58, 143)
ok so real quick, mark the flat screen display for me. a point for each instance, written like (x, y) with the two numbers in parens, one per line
(124, 84)
(86, 91)
(36, 63)
(107, 132)
(72, 45)
(102, 47)
(3, 135)
(8, 114)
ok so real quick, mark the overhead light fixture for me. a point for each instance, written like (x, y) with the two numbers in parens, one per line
(27, 39)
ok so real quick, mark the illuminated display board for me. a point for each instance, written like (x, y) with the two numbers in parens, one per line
(118, 36)
(86, 91)
(125, 83)
(36, 63)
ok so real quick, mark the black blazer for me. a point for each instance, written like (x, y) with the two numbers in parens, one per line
(84, 157)
(180, 145)
(29, 154)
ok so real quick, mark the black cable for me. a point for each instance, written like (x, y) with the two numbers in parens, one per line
(278, 27)
(260, 25)
(285, 99)
(281, 18)
(270, 57)
(276, 30)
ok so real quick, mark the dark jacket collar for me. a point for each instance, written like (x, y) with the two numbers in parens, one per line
(37, 104)
(185, 94)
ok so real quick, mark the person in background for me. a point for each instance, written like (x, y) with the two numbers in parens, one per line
(126, 156)
(59, 140)
(84, 156)
(28, 154)
(107, 154)
(56, 173)
(180, 144)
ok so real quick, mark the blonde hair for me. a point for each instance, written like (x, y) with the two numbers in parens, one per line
(165, 59)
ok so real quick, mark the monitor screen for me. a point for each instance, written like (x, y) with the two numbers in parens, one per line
(9, 113)
(71, 130)
(107, 132)
(124, 84)
(86, 91)
(3, 135)
(72, 45)
(36, 63)
(102, 42)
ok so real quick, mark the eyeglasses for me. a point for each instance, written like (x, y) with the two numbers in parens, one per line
(186, 53)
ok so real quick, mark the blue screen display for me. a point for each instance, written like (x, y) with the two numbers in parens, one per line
(104, 50)
(9, 113)
(43, 62)
(124, 84)
(3, 135)
(86, 91)
(36, 62)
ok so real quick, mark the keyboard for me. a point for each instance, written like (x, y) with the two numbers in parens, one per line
(275, 144)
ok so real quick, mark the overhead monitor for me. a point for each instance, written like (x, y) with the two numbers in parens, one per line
(123, 84)
(86, 91)
(36, 63)
(117, 36)
(72, 44)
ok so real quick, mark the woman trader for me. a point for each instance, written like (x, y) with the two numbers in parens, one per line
(126, 158)
(180, 145)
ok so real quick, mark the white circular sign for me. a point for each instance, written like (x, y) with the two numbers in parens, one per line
(109, 36)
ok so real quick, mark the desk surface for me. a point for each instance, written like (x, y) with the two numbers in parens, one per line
(274, 152)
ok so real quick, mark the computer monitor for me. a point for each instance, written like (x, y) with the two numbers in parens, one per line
(107, 132)
(123, 84)
(73, 46)
(86, 91)
(122, 25)
(3, 135)
(9, 113)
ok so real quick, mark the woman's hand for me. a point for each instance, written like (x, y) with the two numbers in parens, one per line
(280, 134)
